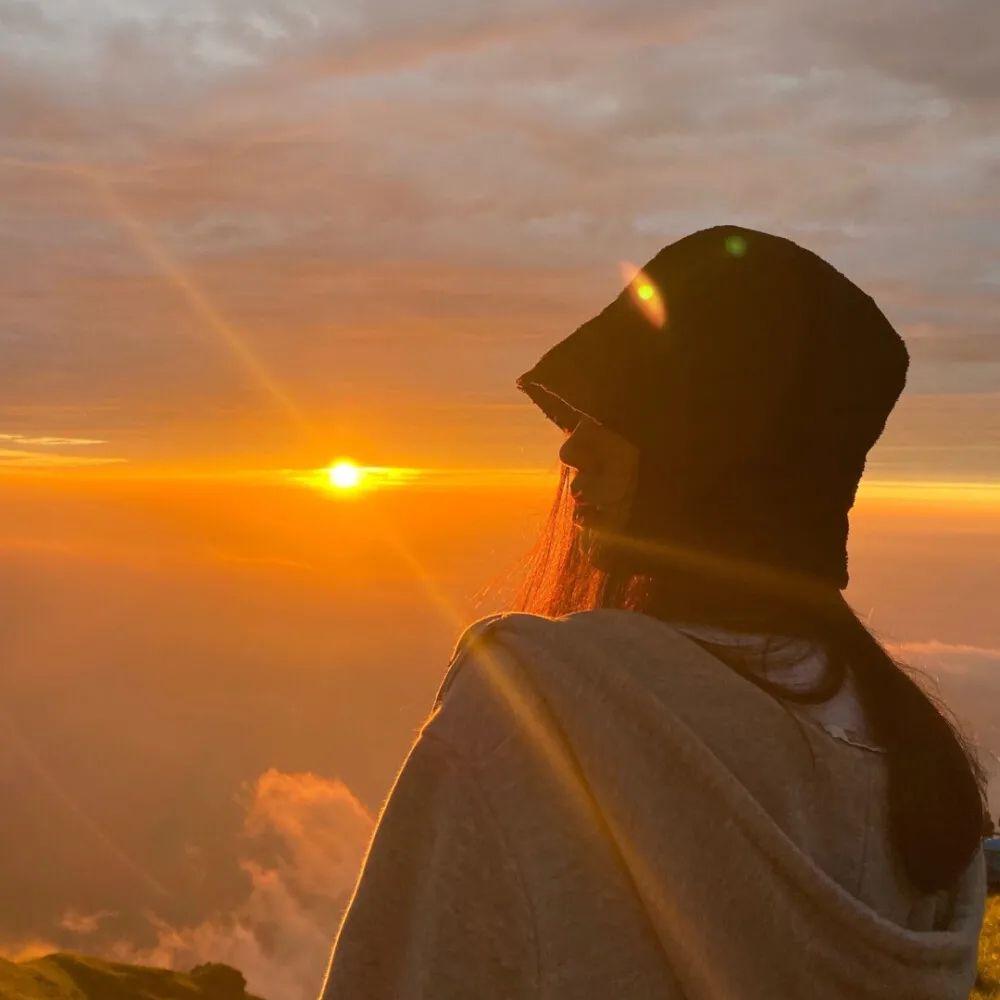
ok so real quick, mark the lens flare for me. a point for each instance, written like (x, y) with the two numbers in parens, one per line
(735, 245)
(645, 294)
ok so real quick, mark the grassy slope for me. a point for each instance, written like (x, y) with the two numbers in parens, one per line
(988, 987)
(64, 976)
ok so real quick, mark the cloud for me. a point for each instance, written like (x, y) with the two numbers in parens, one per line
(966, 678)
(45, 442)
(952, 658)
(84, 923)
(18, 459)
(24, 17)
(939, 432)
(25, 457)
(459, 182)
(923, 41)
(305, 837)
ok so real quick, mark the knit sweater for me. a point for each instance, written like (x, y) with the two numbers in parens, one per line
(597, 807)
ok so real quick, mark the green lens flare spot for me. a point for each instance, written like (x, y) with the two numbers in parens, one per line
(736, 245)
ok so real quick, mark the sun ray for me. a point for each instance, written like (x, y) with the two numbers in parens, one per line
(171, 272)
(199, 303)
(20, 745)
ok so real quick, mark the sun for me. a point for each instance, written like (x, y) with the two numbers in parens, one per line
(344, 474)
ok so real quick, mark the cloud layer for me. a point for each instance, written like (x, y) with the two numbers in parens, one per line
(377, 200)
(305, 838)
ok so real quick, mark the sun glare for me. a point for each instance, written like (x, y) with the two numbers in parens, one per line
(344, 475)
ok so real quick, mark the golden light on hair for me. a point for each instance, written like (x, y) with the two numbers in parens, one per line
(645, 294)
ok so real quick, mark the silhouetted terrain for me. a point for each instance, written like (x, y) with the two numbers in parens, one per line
(64, 976)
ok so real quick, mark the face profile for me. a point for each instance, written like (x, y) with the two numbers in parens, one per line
(603, 487)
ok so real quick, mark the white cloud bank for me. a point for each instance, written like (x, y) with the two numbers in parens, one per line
(305, 838)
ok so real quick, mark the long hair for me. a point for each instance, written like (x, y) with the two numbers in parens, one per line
(935, 786)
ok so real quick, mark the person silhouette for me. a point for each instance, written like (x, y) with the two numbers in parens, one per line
(682, 766)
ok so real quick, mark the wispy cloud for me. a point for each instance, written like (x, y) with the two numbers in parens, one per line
(50, 442)
(28, 457)
(12, 458)
(78, 922)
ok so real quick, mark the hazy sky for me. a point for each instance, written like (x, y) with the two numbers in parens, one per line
(260, 232)
(243, 237)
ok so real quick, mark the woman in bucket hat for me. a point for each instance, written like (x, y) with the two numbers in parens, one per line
(684, 768)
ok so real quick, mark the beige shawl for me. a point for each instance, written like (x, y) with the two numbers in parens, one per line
(599, 808)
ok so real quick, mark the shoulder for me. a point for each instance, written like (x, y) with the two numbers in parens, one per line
(523, 633)
(613, 625)
(469, 711)
(487, 685)
(515, 657)
(489, 633)
(611, 633)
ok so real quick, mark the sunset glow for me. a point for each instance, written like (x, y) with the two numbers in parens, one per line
(344, 475)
